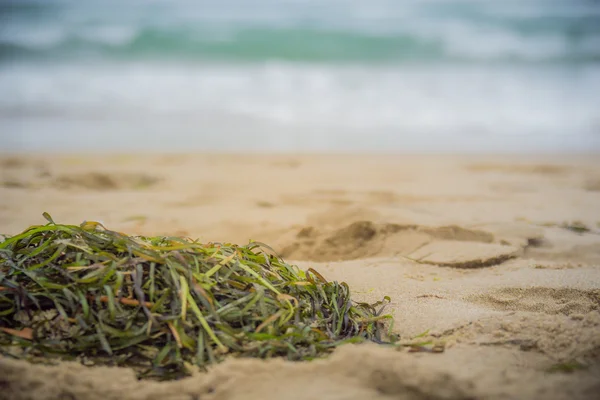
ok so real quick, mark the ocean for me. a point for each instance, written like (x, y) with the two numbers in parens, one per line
(300, 76)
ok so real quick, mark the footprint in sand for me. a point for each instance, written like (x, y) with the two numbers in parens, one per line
(537, 169)
(592, 184)
(105, 181)
(12, 163)
(452, 246)
(565, 301)
(18, 173)
(12, 183)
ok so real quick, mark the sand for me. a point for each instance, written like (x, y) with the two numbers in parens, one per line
(495, 258)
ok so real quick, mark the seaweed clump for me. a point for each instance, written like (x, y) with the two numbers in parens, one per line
(162, 304)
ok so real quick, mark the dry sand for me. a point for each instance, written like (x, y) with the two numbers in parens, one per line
(470, 249)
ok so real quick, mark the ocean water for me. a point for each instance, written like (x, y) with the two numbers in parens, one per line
(304, 75)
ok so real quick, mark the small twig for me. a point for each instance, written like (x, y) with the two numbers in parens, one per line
(124, 300)
(25, 333)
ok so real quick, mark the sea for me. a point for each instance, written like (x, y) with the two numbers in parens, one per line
(457, 76)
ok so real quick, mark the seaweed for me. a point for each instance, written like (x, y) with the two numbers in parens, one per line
(576, 226)
(163, 304)
(567, 367)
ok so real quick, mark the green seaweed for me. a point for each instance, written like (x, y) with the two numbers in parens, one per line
(566, 367)
(158, 304)
(576, 226)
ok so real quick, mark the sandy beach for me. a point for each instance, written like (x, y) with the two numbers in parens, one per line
(496, 259)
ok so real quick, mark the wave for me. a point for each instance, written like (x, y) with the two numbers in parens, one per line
(310, 45)
(409, 98)
(381, 31)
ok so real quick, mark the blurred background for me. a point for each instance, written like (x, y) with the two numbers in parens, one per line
(300, 76)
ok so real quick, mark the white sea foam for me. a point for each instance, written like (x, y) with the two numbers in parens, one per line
(456, 103)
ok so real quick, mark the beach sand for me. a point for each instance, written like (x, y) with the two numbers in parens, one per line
(495, 258)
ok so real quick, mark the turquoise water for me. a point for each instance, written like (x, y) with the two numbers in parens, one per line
(329, 75)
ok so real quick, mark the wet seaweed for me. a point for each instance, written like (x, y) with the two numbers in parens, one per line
(163, 304)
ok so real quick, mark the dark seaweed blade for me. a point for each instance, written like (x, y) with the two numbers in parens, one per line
(156, 303)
